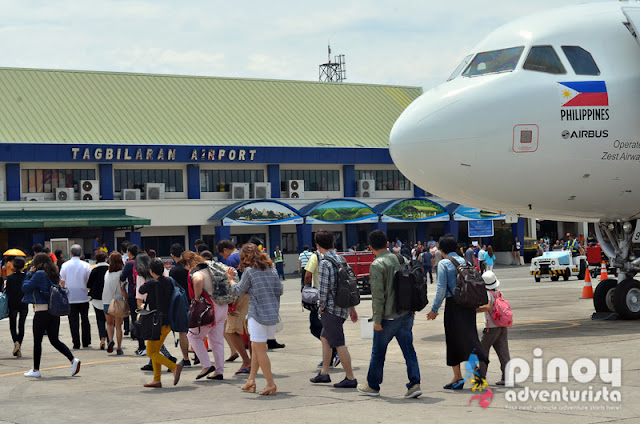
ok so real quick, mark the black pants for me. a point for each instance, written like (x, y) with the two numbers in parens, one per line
(79, 312)
(302, 274)
(17, 334)
(101, 320)
(43, 321)
(133, 305)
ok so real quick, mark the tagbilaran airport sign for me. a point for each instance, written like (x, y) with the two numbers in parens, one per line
(262, 213)
(415, 210)
(342, 212)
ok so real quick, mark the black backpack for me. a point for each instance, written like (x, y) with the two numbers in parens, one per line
(410, 286)
(347, 293)
(470, 289)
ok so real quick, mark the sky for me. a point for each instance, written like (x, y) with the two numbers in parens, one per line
(399, 42)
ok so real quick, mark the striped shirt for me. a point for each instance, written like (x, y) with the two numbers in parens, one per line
(265, 289)
(304, 258)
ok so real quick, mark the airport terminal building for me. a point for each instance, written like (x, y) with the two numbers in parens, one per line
(160, 159)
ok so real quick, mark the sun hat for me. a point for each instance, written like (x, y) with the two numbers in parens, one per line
(490, 280)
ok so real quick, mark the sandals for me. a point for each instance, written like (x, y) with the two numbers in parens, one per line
(244, 371)
(456, 385)
(249, 386)
(269, 391)
(232, 357)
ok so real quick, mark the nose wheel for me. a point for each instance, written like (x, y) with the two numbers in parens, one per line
(603, 296)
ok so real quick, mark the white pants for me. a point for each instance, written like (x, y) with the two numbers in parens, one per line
(215, 334)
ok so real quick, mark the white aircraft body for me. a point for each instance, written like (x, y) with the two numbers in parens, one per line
(542, 119)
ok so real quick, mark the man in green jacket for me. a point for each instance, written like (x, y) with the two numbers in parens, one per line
(387, 322)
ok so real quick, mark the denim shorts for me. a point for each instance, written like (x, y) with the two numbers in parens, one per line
(106, 309)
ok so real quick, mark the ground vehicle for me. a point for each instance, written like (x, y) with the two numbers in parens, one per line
(595, 257)
(558, 263)
(360, 263)
(530, 249)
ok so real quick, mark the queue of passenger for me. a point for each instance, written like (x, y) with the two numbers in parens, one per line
(208, 302)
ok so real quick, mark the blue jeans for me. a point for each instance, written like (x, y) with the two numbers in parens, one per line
(401, 329)
(280, 269)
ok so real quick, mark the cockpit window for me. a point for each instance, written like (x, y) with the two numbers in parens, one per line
(460, 67)
(494, 61)
(544, 59)
(581, 60)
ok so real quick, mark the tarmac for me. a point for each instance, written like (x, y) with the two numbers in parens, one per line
(548, 315)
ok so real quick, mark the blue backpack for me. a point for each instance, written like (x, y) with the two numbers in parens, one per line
(59, 301)
(179, 309)
(4, 305)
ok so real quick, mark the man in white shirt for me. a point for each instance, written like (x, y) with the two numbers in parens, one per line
(74, 275)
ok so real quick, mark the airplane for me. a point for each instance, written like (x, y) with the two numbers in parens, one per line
(542, 120)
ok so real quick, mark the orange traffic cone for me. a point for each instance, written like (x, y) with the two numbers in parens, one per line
(603, 272)
(587, 290)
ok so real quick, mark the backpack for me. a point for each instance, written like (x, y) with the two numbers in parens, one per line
(222, 294)
(59, 301)
(310, 296)
(4, 305)
(178, 309)
(470, 288)
(410, 286)
(347, 293)
(501, 313)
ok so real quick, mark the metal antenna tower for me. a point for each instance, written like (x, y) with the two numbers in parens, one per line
(333, 71)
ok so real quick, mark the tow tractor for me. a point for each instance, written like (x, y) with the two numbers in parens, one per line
(556, 264)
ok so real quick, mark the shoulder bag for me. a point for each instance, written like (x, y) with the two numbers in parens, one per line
(150, 322)
(118, 308)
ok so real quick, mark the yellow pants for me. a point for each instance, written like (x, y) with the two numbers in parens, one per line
(158, 359)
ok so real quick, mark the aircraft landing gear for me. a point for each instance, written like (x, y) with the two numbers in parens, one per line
(621, 295)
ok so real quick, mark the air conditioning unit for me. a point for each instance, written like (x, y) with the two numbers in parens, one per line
(295, 189)
(154, 191)
(261, 190)
(64, 194)
(34, 198)
(366, 188)
(131, 194)
(239, 190)
(89, 190)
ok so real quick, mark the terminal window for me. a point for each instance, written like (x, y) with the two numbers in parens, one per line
(314, 180)
(47, 180)
(137, 178)
(219, 180)
(385, 179)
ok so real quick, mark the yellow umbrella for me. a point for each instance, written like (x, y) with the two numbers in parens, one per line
(14, 252)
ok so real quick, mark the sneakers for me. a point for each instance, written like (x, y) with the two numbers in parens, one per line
(273, 344)
(75, 366)
(141, 352)
(346, 384)
(413, 392)
(147, 367)
(32, 373)
(110, 346)
(366, 390)
(119, 352)
(320, 364)
(321, 378)
(336, 361)
(185, 363)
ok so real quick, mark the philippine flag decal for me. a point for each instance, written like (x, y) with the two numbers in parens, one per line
(583, 94)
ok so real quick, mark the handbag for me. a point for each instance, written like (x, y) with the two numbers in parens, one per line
(59, 301)
(118, 308)
(201, 310)
(150, 322)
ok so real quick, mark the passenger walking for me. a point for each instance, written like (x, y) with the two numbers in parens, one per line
(180, 276)
(128, 277)
(482, 258)
(18, 310)
(332, 316)
(489, 258)
(515, 250)
(114, 288)
(303, 259)
(37, 290)
(95, 284)
(74, 275)
(388, 322)
(264, 287)
(427, 264)
(278, 260)
(493, 335)
(460, 330)
(158, 291)
(202, 286)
